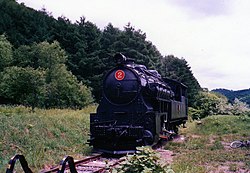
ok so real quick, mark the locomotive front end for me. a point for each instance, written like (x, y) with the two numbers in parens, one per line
(115, 127)
(121, 85)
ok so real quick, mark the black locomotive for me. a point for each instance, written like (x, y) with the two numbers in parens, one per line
(138, 108)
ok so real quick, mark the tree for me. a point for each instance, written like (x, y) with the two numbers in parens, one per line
(62, 87)
(207, 104)
(90, 67)
(49, 55)
(224, 107)
(6, 56)
(24, 85)
(23, 25)
(109, 37)
(81, 41)
(25, 56)
(133, 43)
(239, 107)
(178, 69)
(42, 79)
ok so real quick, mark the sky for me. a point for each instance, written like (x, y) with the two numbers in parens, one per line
(213, 36)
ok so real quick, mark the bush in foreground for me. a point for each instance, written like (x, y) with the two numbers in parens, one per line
(145, 160)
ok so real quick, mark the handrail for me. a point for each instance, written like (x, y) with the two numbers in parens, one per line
(23, 162)
(71, 165)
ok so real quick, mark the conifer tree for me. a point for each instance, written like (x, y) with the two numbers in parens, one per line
(178, 69)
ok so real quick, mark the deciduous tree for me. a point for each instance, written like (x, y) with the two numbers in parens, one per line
(24, 85)
(6, 56)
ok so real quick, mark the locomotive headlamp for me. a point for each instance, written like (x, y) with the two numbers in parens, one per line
(119, 58)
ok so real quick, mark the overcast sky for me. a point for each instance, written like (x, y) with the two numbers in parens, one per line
(212, 35)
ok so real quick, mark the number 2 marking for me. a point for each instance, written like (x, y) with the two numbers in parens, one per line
(119, 75)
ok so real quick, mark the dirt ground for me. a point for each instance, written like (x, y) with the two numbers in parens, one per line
(168, 157)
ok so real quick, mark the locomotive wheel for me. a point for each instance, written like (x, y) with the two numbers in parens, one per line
(148, 138)
(176, 129)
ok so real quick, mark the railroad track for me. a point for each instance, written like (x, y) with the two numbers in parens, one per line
(93, 164)
(97, 163)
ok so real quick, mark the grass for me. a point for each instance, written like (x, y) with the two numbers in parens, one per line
(44, 137)
(206, 147)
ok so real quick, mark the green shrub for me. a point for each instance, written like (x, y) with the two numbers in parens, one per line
(210, 103)
(207, 104)
(194, 114)
(145, 160)
(240, 108)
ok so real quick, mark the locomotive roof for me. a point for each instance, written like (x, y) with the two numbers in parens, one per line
(174, 81)
(121, 59)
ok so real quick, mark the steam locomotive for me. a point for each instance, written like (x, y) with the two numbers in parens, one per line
(138, 107)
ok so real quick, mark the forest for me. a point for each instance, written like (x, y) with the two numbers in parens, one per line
(48, 62)
(242, 95)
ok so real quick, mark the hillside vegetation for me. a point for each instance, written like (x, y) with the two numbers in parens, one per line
(242, 95)
(48, 51)
(44, 137)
